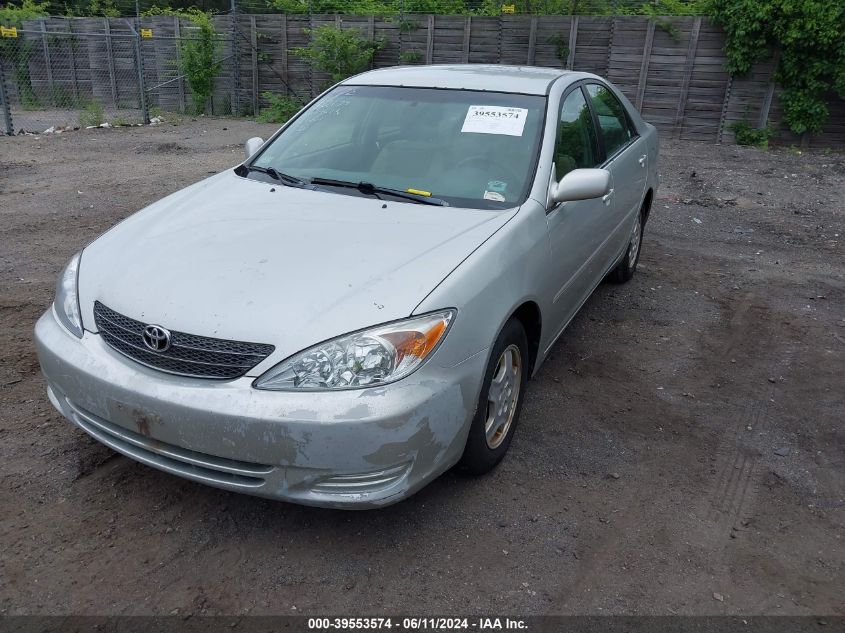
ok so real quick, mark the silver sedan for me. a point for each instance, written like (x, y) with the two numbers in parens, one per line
(357, 307)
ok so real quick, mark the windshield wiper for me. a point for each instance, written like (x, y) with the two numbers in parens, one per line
(372, 190)
(274, 173)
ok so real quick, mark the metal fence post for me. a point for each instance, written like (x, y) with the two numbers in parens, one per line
(47, 61)
(4, 102)
(253, 41)
(236, 63)
(110, 61)
(142, 86)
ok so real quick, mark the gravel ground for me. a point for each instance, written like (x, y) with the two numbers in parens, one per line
(681, 452)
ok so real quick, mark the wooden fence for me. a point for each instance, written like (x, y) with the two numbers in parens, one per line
(672, 69)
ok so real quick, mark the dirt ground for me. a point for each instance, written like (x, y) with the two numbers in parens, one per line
(682, 451)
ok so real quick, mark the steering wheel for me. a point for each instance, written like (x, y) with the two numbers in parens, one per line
(495, 169)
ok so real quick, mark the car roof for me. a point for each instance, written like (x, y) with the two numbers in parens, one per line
(492, 77)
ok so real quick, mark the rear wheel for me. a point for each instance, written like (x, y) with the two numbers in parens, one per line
(500, 401)
(624, 271)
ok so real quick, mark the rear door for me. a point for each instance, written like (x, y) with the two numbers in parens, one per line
(627, 160)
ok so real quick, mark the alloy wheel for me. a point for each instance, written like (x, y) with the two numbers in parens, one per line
(503, 395)
(636, 239)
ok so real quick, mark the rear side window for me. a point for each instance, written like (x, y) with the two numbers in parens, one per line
(576, 145)
(613, 122)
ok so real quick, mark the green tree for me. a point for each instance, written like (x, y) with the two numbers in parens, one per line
(436, 6)
(198, 59)
(18, 50)
(14, 15)
(103, 8)
(349, 7)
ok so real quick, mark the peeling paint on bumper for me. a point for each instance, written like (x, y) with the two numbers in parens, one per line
(354, 449)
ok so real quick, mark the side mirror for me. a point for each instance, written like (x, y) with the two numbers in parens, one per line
(252, 145)
(581, 184)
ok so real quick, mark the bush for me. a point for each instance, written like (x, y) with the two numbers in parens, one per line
(810, 38)
(339, 52)
(561, 46)
(747, 135)
(280, 109)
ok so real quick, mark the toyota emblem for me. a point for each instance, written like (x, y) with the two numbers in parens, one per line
(156, 338)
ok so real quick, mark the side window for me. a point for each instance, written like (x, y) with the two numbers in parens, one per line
(576, 145)
(612, 119)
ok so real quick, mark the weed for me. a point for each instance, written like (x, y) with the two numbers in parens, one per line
(410, 57)
(92, 114)
(747, 135)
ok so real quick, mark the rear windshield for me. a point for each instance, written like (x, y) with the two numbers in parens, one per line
(471, 149)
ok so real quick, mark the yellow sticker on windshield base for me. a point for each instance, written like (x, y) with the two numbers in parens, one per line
(419, 192)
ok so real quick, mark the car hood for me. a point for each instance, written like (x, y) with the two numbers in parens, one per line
(244, 260)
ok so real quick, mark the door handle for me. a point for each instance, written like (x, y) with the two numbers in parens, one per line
(607, 197)
(642, 160)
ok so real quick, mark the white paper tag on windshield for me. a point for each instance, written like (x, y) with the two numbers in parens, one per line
(483, 119)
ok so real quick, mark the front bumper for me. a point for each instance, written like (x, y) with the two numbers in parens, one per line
(357, 448)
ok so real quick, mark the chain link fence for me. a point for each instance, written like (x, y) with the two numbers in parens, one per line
(66, 73)
(71, 73)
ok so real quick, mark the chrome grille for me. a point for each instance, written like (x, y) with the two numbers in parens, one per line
(188, 354)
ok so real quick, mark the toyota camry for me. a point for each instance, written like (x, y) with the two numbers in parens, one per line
(358, 306)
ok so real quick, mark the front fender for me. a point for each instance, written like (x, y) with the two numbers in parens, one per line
(487, 288)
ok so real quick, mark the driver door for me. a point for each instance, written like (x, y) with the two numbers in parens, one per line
(577, 230)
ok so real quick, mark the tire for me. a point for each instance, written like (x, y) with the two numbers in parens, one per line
(492, 429)
(624, 271)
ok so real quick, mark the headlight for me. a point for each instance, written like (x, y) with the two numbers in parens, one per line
(368, 358)
(66, 302)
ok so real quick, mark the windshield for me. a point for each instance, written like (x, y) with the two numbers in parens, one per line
(470, 149)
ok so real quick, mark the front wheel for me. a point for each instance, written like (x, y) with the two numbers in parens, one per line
(500, 401)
